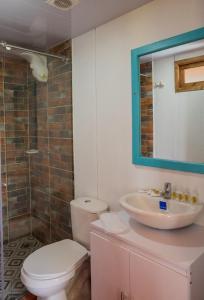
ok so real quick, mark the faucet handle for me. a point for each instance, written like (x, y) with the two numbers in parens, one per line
(167, 186)
(167, 190)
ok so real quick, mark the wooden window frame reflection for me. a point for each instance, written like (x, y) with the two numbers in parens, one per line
(180, 66)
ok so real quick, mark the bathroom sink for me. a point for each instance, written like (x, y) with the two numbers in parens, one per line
(146, 210)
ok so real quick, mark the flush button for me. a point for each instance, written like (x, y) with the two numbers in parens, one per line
(87, 201)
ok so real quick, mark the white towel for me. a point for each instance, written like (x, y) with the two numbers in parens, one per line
(112, 223)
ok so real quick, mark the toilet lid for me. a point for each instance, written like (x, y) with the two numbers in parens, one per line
(55, 260)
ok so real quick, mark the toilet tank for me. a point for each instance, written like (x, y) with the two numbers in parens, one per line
(83, 212)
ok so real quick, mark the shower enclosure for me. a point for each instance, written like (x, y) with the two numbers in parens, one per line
(36, 156)
(1, 247)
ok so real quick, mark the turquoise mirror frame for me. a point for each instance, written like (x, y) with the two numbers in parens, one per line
(137, 158)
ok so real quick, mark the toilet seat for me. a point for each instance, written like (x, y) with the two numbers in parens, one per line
(55, 260)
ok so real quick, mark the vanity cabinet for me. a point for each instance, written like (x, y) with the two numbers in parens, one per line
(120, 273)
(150, 280)
(109, 269)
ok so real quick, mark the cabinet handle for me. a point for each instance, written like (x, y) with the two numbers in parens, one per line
(123, 296)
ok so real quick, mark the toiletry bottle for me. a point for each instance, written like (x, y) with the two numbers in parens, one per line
(163, 205)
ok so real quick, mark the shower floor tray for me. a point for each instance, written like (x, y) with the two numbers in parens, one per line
(14, 254)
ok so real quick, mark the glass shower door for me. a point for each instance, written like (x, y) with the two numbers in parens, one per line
(1, 202)
(1, 248)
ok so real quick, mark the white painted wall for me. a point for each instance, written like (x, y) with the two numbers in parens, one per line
(102, 101)
(84, 111)
(178, 117)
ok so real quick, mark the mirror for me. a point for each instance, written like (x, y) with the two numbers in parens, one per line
(172, 103)
(168, 103)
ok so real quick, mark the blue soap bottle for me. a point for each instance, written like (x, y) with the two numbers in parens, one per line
(163, 205)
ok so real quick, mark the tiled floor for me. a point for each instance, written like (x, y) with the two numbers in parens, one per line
(14, 255)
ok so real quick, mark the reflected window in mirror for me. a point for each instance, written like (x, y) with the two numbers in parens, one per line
(189, 74)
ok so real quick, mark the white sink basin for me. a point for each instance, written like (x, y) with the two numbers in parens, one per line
(146, 210)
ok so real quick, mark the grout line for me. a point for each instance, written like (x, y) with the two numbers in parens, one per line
(53, 76)
(36, 136)
(19, 216)
(50, 107)
(51, 137)
(14, 83)
(25, 188)
(18, 163)
(50, 167)
(15, 110)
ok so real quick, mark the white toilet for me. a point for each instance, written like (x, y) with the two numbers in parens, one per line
(48, 272)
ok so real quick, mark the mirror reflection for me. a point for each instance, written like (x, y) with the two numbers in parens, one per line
(172, 103)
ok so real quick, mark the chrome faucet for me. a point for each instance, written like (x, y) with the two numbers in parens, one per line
(167, 190)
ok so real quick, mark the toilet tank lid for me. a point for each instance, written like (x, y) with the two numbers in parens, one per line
(90, 205)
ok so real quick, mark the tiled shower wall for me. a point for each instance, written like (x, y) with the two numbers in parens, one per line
(51, 170)
(146, 109)
(37, 188)
(1, 250)
(14, 143)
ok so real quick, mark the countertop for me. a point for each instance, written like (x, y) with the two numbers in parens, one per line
(178, 248)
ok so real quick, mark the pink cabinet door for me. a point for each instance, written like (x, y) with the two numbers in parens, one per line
(153, 281)
(109, 269)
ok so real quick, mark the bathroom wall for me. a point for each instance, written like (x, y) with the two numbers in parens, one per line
(102, 101)
(14, 143)
(51, 174)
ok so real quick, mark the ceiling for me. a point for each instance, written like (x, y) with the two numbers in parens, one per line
(35, 24)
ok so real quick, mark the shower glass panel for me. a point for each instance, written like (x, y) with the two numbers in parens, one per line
(36, 156)
(1, 202)
(1, 248)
